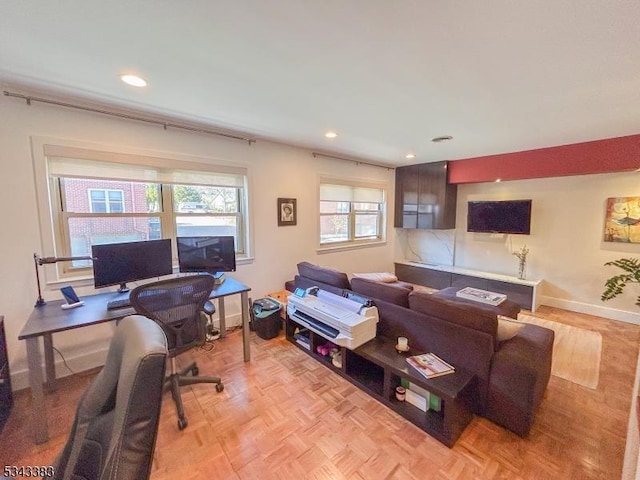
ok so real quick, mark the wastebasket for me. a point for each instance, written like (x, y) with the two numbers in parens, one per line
(265, 317)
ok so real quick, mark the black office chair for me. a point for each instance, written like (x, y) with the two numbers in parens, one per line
(114, 432)
(177, 305)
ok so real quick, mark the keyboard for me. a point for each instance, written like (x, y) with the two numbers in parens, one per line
(118, 303)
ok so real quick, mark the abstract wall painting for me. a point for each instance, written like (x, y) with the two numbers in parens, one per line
(622, 222)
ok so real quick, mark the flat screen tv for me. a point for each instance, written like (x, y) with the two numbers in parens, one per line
(119, 263)
(210, 254)
(506, 216)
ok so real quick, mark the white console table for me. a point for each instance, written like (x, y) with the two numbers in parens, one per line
(524, 292)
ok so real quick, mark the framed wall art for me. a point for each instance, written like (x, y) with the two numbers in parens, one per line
(622, 221)
(287, 214)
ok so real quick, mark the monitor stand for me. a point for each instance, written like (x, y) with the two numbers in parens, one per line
(123, 288)
(218, 277)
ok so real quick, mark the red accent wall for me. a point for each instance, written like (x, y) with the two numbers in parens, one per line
(600, 156)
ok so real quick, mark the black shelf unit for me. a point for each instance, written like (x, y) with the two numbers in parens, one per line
(378, 369)
(6, 396)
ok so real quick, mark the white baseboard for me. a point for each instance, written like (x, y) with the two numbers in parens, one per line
(81, 363)
(87, 361)
(590, 309)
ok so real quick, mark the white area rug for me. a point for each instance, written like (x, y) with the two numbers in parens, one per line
(576, 352)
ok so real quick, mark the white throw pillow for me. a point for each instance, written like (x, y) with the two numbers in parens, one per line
(384, 277)
(507, 328)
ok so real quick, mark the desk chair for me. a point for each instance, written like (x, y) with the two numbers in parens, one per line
(114, 432)
(177, 305)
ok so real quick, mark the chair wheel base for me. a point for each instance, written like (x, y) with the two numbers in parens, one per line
(219, 387)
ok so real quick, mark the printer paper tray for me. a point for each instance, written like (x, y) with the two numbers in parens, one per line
(333, 335)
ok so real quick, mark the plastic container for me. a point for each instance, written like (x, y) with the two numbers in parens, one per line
(265, 317)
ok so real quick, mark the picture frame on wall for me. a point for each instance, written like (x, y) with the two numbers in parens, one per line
(622, 220)
(287, 212)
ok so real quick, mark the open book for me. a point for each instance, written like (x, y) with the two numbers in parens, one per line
(430, 365)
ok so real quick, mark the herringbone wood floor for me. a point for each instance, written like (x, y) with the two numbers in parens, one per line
(284, 415)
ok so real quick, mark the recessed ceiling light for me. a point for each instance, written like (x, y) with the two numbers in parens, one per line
(331, 134)
(409, 156)
(134, 80)
(442, 138)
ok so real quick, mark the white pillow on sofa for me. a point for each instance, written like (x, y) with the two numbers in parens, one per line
(384, 277)
(507, 328)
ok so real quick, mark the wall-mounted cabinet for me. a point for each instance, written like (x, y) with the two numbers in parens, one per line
(424, 198)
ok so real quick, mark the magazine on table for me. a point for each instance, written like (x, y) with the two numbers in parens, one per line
(430, 365)
(484, 296)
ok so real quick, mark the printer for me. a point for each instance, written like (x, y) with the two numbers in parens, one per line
(347, 322)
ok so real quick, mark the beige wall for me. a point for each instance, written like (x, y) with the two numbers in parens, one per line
(275, 171)
(566, 247)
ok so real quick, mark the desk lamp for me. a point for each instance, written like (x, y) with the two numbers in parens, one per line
(37, 261)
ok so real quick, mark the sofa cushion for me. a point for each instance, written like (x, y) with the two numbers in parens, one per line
(456, 312)
(396, 293)
(384, 277)
(325, 275)
(507, 328)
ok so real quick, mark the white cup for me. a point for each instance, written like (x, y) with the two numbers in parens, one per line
(403, 343)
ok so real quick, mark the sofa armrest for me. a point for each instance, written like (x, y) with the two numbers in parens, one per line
(520, 372)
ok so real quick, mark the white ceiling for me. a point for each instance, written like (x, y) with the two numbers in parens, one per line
(388, 76)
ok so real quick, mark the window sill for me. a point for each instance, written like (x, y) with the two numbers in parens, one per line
(350, 246)
(80, 281)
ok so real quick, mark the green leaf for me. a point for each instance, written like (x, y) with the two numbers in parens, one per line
(614, 286)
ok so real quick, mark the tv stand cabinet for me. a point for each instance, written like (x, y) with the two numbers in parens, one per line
(378, 369)
(525, 293)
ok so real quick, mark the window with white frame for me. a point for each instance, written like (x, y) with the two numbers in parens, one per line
(350, 214)
(106, 201)
(97, 201)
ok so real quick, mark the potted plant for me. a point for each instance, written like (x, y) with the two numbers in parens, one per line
(614, 286)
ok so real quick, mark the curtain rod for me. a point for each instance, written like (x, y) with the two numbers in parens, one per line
(357, 162)
(165, 125)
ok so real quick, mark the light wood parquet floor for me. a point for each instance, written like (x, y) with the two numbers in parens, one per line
(284, 415)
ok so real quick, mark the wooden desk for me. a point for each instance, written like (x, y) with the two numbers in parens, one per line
(283, 297)
(50, 318)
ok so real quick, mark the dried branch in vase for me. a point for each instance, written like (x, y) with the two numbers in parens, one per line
(522, 261)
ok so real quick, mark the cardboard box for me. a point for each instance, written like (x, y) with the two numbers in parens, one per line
(416, 400)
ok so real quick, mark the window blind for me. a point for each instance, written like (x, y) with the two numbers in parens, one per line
(84, 163)
(348, 193)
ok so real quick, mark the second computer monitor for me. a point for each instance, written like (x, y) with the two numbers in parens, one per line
(211, 254)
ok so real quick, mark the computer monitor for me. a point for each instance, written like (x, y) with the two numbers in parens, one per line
(212, 254)
(119, 263)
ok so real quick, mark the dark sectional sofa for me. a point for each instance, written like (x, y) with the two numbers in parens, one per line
(512, 374)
